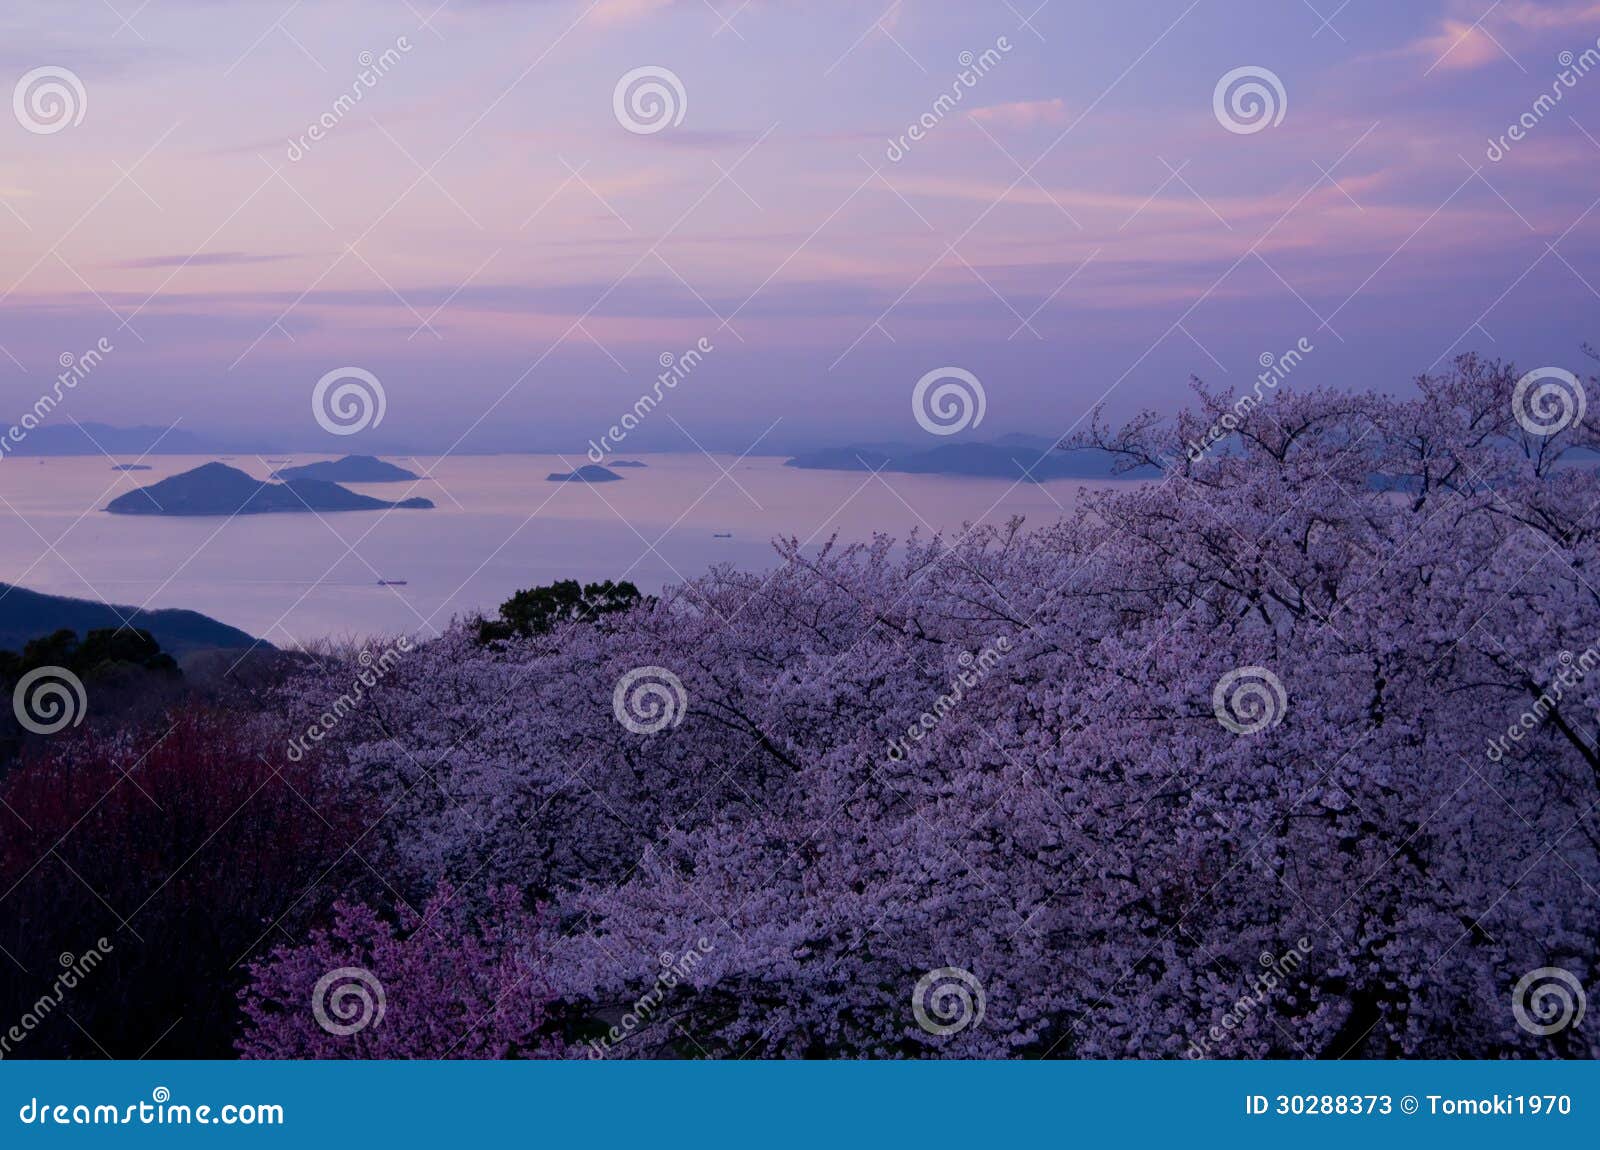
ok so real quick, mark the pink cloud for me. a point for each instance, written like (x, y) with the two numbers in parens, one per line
(1464, 44)
(627, 11)
(1458, 46)
(1534, 16)
(1021, 114)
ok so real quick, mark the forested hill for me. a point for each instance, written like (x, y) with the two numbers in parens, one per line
(27, 615)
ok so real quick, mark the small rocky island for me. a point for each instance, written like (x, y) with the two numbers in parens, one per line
(588, 473)
(628, 463)
(217, 489)
(350, 469)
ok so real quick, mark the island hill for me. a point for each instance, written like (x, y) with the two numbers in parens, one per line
(217, 489)
(350, 469)
(588, 473)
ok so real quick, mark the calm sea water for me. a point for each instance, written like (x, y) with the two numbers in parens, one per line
(498, 526)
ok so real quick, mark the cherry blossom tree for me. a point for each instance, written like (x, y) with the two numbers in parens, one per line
(439, 985)
(1221, 763)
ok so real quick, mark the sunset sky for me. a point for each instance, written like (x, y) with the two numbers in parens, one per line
(482, 234)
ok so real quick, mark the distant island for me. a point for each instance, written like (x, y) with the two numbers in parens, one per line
(131, 467)
(588, 473)
(350, 469)
(26, 615)
(1014, 457)
(217, 489)
(628, 463)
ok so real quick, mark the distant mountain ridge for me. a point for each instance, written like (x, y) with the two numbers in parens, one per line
(1013, 457)
(103, 439)
(26, 615)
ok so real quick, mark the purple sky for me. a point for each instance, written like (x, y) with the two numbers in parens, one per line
(482, 234)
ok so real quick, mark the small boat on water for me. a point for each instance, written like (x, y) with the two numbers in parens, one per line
(391, 582)
(722, 535)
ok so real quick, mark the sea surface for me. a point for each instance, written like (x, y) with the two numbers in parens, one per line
(497, 526)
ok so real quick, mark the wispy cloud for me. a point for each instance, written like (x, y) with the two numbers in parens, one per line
(1021, 114)
(627, 11)
(1457, 46)
(1463, 42)
(200, 259)
(1538, 16)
